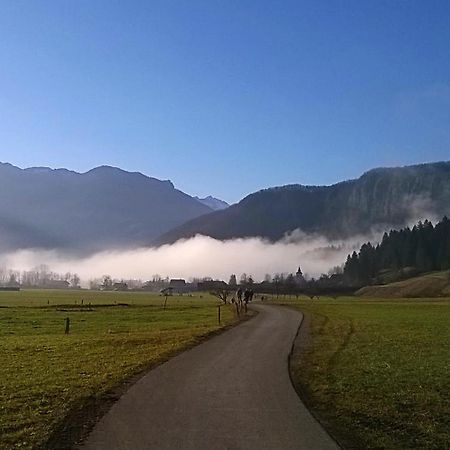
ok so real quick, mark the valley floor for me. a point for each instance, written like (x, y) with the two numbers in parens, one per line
(47, 376)
(375, 371)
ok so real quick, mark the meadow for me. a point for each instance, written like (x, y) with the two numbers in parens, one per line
(50, 380)
(376, 371)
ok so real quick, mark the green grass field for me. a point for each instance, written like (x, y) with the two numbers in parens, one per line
(45, 374)
(377, 371)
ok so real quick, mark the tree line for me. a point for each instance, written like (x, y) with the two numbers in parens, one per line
(423, 248)
(40, 276)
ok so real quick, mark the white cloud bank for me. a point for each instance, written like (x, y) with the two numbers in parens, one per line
(198, 257)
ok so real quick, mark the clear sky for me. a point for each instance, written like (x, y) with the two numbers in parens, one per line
(225, 97)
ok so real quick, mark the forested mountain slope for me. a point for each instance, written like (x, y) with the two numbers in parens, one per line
(386, 197)
(422, 248)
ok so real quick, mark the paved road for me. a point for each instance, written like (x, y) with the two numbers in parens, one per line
(231, 392)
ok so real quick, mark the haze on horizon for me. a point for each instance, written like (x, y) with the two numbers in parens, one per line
(203, 256)
(225, 98)
(198, 257)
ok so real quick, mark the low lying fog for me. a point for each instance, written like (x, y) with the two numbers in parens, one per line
(199, 257)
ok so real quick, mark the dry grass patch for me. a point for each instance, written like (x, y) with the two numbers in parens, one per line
(45, 374)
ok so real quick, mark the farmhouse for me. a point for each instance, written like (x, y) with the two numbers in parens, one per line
(120, 286)
(212, 285)
(56, 284)
(178, 285)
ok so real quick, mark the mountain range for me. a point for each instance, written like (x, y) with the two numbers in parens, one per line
(109, 208)
(380, 198)
(101, 209)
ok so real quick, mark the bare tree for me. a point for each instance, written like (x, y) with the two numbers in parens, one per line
(94, 284)
(3, 276)
(221, 294)
(107, 282)
(14, 277)
(75, 280)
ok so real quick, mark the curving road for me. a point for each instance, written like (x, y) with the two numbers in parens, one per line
(231, 392)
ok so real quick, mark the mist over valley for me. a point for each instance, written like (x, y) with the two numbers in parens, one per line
(107, 221)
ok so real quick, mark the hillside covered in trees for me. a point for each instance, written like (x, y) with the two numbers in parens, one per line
(383, 198)
(401, 254)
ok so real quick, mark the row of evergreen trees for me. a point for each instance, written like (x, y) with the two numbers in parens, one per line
(424, 247)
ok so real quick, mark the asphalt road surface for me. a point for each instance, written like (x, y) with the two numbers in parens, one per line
(231, 392)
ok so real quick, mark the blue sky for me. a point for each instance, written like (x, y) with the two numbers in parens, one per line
(225, 97)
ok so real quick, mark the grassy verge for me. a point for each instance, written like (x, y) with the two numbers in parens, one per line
(46, 375)
(376, 372)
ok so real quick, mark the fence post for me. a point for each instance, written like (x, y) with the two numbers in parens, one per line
(218, 313)
(67, 326)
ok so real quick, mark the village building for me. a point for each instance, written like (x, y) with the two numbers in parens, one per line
(120, 286)
(299, 278)
(212, 285)
(56, 284)
(178, 285)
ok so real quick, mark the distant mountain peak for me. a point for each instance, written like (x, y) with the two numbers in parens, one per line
(38, 169)
(112, 171)
(106, 168)
(214, 203)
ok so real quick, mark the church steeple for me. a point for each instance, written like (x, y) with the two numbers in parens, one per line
(299, 278)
